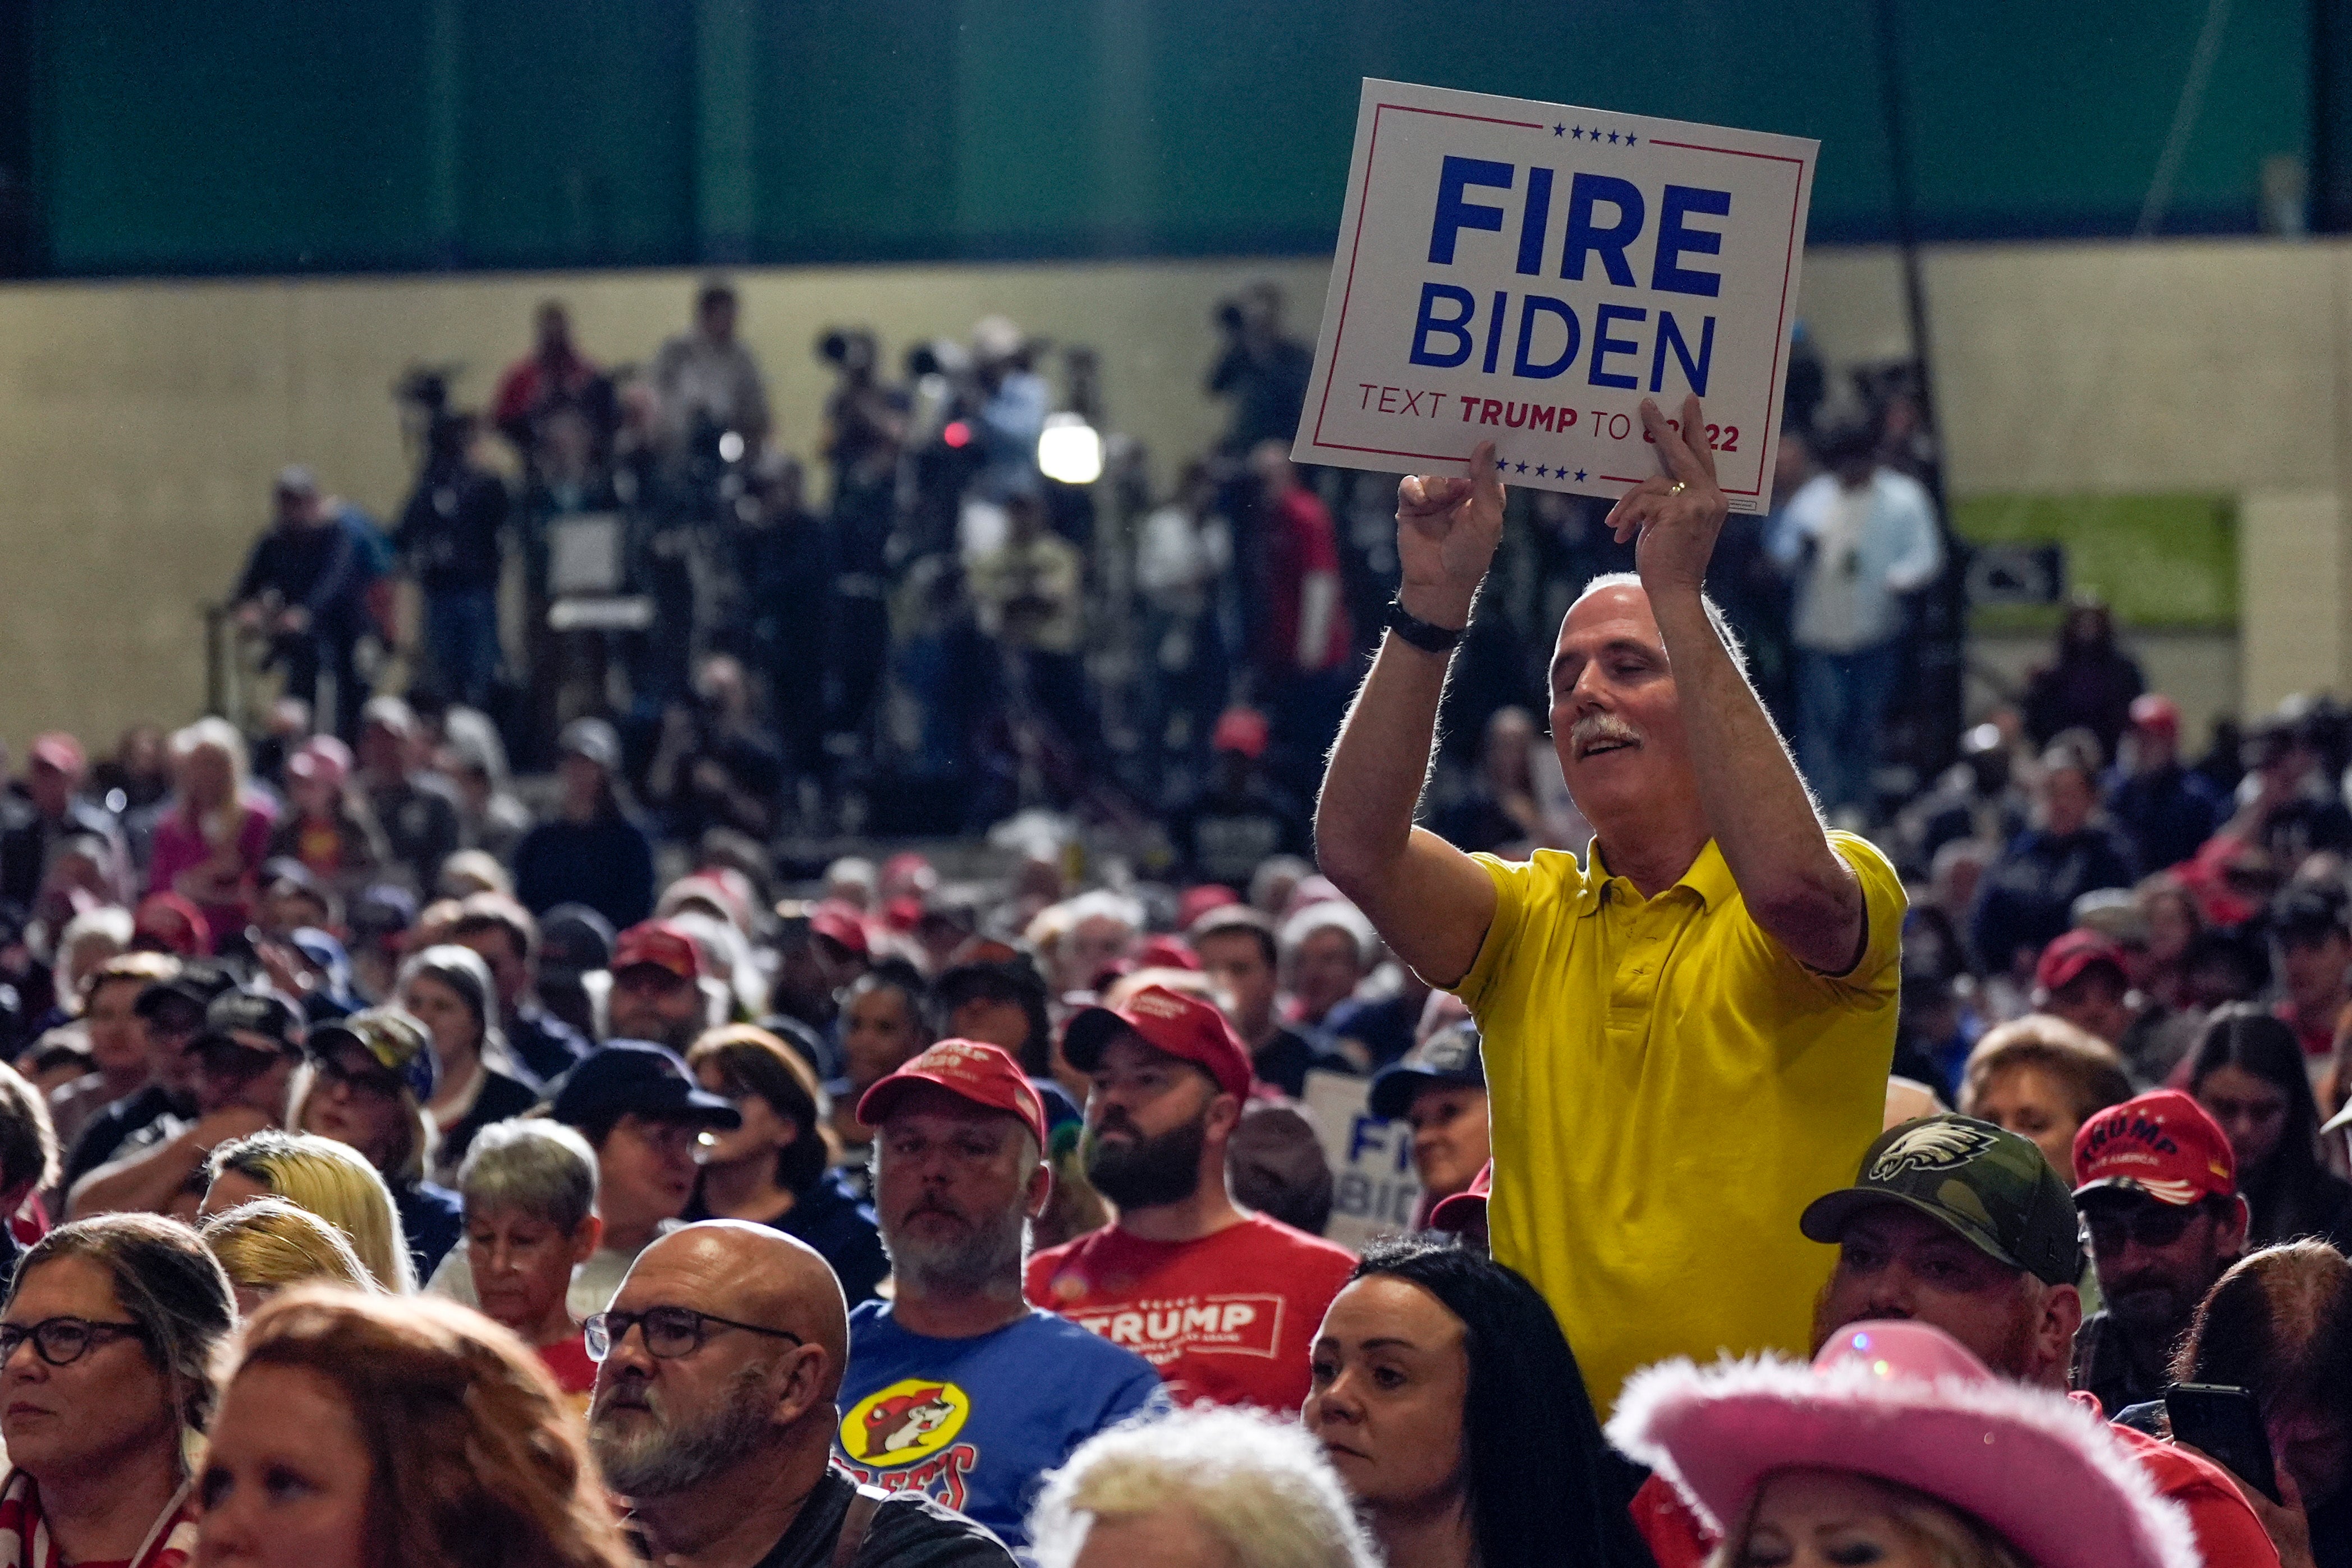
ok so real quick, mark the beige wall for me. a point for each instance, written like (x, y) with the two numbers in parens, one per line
(138, 422)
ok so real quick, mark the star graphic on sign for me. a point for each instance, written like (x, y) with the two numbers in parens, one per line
(1559, 130)
(1543, 472)
(1612, 138)
(1579, 476)
(1575, 133)
(1502, 466)
(1523, 467)
(1631, 138)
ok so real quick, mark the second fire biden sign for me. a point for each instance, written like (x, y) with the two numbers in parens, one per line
(1527, 273)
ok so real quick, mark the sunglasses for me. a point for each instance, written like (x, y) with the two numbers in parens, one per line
(2147, 1225)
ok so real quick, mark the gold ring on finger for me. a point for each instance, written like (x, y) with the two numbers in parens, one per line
(1677, 488)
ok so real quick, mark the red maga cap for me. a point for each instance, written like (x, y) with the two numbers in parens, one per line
(2063, 960)
(836, 921)
(1183, 1027)
(660, 944)
(982, 1074)
(2162, 1143)
(1466, 1207)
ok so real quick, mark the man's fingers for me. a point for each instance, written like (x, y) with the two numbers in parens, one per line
(1486, 476)
(1430, 495)
(1673, 455)
(1694, 422)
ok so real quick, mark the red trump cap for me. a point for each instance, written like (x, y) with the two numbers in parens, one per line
(661, 945)
(982, 1074)
(2162, 1143)
(1183, 1027)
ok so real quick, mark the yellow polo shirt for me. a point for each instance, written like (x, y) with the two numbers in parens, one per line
(1668, 1089)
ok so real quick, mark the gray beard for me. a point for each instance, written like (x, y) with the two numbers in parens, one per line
(984, 1260)
(672, 1457)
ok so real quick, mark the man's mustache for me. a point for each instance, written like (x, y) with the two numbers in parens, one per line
(1595, 728)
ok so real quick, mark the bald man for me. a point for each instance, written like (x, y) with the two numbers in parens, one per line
(719, 1363)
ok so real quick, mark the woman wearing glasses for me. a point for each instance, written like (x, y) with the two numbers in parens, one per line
(362, 1430)
(366, 1085)
(106, 1385)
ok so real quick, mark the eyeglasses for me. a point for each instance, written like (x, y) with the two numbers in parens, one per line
(670, 1331)
(358, 1080)
(2150, 1225)
(61, 1342)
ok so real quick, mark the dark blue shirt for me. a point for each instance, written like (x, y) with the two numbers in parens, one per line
(607, 864)
(433, 1219)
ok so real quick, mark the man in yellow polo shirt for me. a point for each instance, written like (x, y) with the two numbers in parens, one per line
(1687, 1040)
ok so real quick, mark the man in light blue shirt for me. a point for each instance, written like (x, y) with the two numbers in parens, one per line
(1856, 538)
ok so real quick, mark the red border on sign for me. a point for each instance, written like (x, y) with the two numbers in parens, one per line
(1788, 266)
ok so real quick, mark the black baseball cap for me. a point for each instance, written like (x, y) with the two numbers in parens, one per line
(638, 1078)
(1990, 1186)
(259, 1023)
(1451, 1056)
(192, 989)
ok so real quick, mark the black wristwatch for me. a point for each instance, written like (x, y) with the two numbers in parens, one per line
(1424, 635)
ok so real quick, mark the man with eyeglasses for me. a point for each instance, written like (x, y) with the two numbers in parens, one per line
(2158, 1195)
(644, 1115)
(720, 1367)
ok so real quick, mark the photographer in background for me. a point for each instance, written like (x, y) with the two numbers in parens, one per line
(554, 375)
(1264, 373)
(449, 535)
(305, 588)
(865, 431)
(717, 765)
(706, 377)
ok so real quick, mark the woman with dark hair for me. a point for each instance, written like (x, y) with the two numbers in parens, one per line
(1430, 1364)
(2248, 1071)
(475, 1081)
(2279, 1325)
(776, 1168)
(106, 1380)
(357, 1431)
(883, 1029)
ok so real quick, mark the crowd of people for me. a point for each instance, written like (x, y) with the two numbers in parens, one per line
(396, 1170)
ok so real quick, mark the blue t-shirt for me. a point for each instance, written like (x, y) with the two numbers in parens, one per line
(975, 1422)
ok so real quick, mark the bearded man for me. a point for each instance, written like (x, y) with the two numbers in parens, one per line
(1223, 1302)
(718, 1365)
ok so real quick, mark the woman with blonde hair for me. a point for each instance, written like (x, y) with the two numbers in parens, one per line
(267, 1244)
(210, 842)
(2042, 1078)
(355, 1431)
(366, 1083)
(331, 1180)
(1896, 1447)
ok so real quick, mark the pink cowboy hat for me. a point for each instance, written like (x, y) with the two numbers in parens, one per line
(1903, 1402)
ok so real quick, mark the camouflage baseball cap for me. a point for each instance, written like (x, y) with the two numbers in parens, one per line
(1992, 1187)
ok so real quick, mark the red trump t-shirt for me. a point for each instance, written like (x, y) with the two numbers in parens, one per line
(1226, 1320)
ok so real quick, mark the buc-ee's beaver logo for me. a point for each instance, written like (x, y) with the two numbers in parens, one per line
(911, 1419)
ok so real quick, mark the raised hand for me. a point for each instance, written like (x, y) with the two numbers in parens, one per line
(1674, 517)
(1447, 528)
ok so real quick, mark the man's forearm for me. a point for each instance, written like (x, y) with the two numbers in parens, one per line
(1755, 803)
(1364, 819)
(144, 1184)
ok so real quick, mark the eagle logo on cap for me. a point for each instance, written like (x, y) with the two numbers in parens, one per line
(1930, 1146)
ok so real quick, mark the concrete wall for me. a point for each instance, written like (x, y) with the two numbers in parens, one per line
(140, 421)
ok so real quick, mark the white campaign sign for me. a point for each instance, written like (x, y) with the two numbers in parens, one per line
(1373, 1189)
(1527, 272)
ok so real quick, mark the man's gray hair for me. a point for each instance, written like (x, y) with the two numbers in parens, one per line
(540, 1168)
(1333, 914)
(1715, 615)
(1260, 1487)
